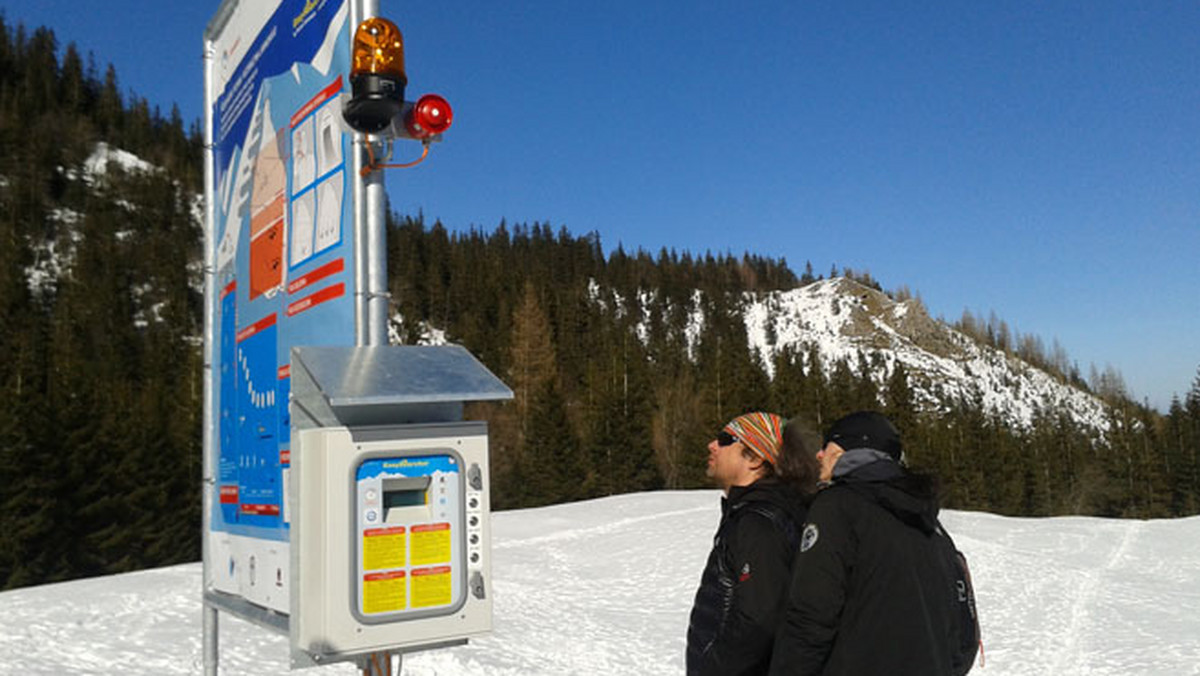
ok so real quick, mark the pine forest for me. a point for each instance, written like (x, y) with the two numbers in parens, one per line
(101, 314)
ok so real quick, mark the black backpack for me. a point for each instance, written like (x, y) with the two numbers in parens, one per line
(966, 638)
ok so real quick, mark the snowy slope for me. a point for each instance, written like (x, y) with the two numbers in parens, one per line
(54, 255)
(604, 587)
(842, 318)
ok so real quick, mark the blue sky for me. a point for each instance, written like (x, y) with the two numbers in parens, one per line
(1036, 159)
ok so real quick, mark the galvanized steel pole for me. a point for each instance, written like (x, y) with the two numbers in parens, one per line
(370, 229)
(211, 655)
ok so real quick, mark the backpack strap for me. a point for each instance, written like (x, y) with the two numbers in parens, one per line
(966, 590)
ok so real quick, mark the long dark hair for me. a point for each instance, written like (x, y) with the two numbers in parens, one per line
(798, 457)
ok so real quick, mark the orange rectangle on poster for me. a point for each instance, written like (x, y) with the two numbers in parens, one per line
(267, 216)
(260, 325)
(266, 260)
(311, 301)
(259, 509)
(331, 268)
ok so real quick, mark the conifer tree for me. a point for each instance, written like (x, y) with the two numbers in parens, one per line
(551, 466)
(788, 385)
(679, 432)
(532, 377)
(842, 390)
(866, 392)
(620, 443)
(1179, 445)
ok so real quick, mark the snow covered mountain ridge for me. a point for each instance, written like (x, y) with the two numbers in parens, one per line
(843, 318)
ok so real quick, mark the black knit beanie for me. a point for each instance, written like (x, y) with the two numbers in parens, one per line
(866, 429)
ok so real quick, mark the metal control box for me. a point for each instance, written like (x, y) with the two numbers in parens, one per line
(394, 536)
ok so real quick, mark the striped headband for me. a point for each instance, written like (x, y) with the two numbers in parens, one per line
(761, 432)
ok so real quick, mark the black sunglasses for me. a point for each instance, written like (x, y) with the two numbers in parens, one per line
(725, 438)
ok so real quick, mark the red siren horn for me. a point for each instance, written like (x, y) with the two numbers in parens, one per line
(429, 117)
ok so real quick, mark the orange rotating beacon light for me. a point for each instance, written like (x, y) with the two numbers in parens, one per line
(377, 77)
(378, 80)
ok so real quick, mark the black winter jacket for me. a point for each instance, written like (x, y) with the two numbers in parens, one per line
(866, 595)
(743, 587)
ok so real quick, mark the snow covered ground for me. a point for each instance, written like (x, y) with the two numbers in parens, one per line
(604, 587)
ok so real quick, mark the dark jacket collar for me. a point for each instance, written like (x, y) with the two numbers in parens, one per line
(769, 490)
(909, 497)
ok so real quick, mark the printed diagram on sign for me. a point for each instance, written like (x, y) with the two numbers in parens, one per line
(258, 399)
(303, 220)
(256, 460)
(329, 212)
(304, 161)
(267, 203)
(330, 148)
(318, 184)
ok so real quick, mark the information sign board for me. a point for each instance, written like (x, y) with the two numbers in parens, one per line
(282, 220)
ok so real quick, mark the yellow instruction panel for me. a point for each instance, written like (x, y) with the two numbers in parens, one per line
(383, 548)
(431, 544)
(411, 529)
(384, 592)
(431, 586)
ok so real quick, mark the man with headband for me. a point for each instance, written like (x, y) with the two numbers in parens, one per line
(744, 584)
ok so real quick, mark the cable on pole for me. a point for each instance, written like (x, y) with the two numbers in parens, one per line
(373, 166)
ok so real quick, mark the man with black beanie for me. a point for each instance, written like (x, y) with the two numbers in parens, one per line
(868, 592)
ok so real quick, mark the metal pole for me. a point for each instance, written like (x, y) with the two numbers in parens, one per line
(358, 159)
(370, 229)
(377, 278)
(212, 652)
(211, 656)
(377, 284)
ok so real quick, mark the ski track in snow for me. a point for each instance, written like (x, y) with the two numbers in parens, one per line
(605, 587)
(1079, 630)
(1086, 596)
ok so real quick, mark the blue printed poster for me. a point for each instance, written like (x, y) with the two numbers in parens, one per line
(283, 228)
